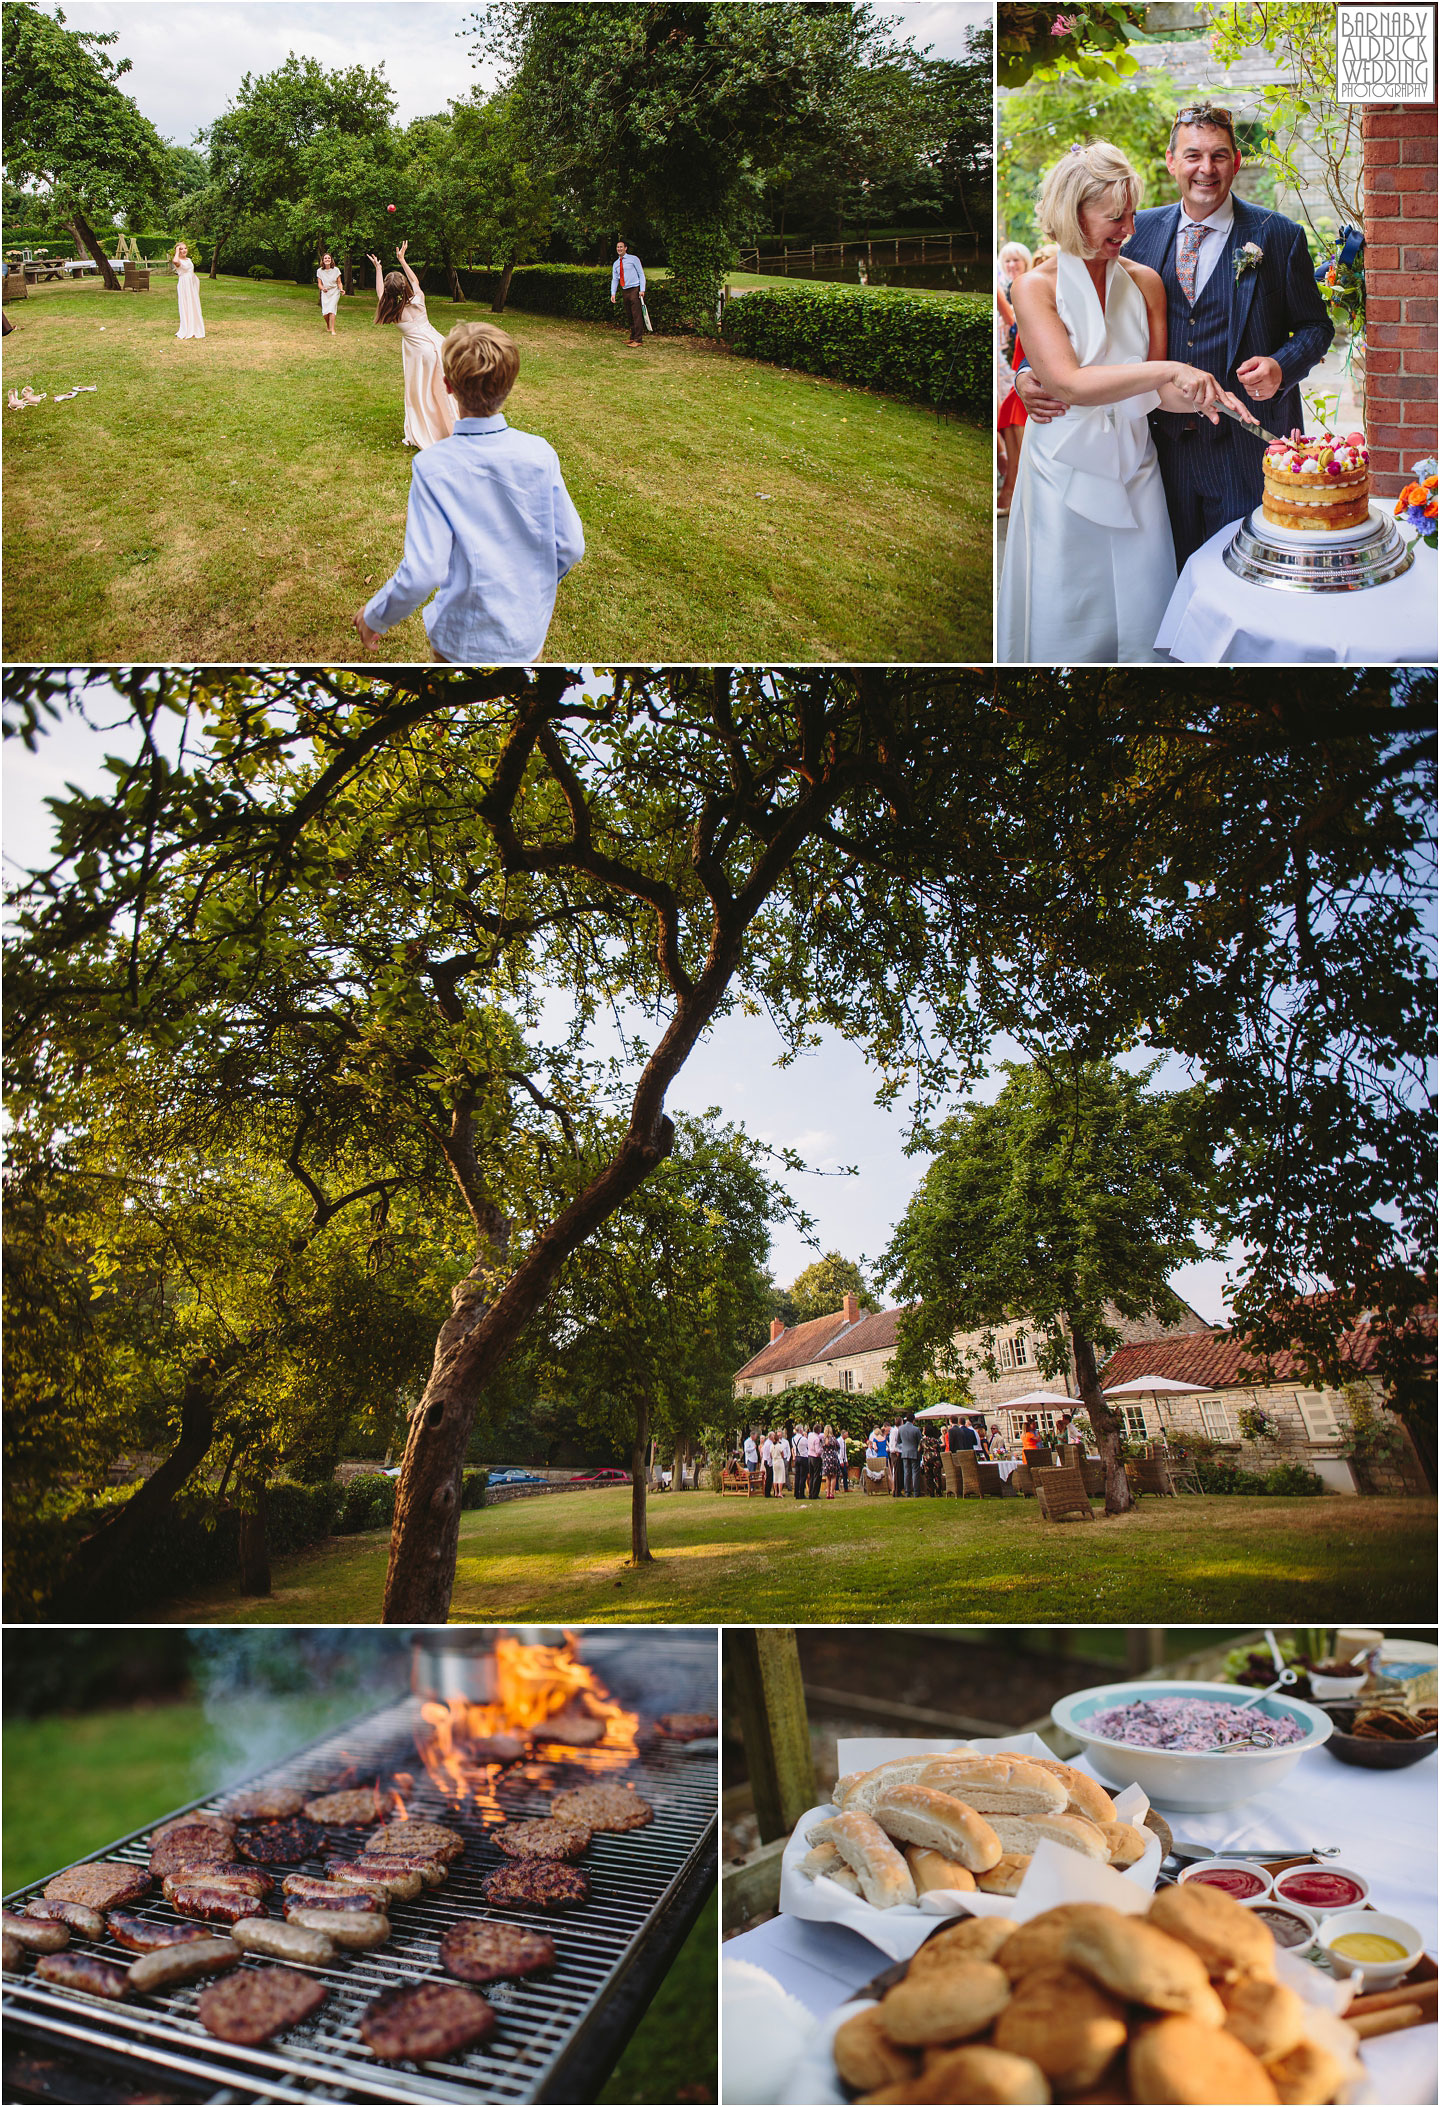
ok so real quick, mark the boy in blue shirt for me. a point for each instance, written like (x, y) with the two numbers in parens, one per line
(490, 522)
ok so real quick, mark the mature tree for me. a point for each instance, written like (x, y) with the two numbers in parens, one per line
(1039, 123)
(349, 180)
(69, 130)
(646, 1323)
(1091, 38)
(1078, 1190)
(676, 109)
(822, 1287)
(496, 144)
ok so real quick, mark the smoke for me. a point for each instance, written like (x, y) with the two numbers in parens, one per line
(268, 1692)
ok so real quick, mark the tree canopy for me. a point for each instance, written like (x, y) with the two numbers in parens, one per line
(823, 1286)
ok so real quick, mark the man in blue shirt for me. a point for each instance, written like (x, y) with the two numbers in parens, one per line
(627, 284)
(490, 522)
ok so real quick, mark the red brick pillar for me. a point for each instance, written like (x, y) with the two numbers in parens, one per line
(1399, 290)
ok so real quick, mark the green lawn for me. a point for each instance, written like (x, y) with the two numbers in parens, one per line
(238, 499)
(74, 1783)
(561, 1560)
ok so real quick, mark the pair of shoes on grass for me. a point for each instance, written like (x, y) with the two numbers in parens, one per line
(26, 399)
(70, 393)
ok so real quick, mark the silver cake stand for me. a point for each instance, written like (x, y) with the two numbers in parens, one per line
(1347, 562)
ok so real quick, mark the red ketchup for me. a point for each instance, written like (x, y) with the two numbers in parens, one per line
(1328, 1891)
(1234, 1880)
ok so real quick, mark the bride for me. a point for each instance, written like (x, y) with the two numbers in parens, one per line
(1089, 561)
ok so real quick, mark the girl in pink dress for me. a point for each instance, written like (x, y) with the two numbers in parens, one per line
(192, 322)
(429, 410)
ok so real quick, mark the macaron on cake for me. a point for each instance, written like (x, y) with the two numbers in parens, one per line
(1317, 484)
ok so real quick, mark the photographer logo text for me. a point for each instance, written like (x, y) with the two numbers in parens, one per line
(1384, 54)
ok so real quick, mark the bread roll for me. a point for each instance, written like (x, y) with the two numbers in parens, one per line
(845, 1877)
(1180, 2063)
(820, 1858)
(968, 1939)
(858, 1787)
(866, 2057)
(883, 1874)
(1134, 1960)
(947, 2004)
(1005, 1876)
(1126, 1843)
(1308, 2077)
(1022, 1832)
(979, 2075)
(1230, 1939)
(1082, 1794)
(1064, 2023)
(1040, 1942)
(932, 1869)
(916, 1815)
(1268, 2017)
(997, 1784)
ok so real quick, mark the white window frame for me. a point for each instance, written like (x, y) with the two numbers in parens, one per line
(1322, 1425)
(1211, 1410)
(1132, 1422)
(847, 1379)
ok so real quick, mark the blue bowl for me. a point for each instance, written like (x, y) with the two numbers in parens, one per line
(1197, 1782)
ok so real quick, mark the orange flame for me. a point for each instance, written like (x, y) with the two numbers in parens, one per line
(547, 1700)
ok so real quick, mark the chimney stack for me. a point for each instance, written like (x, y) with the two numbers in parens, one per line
(777, 1330)
(852, 1310)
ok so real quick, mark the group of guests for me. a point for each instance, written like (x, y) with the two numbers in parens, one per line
(799, 1461)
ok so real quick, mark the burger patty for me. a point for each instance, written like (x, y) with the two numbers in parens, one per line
(412, 1838)
(266, 1803)
(608, 1807)
(146, 1935)
(535, 1884)
(349, 1809)
(254, 2003)
(431, 2019)
(102, 1885)
(194, 1844)
(543, 1839)
(688, 1726)
(197, 1818)
(478, 1952)
(282, 1843)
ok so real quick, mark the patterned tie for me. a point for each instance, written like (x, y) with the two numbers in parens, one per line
(1189, 261)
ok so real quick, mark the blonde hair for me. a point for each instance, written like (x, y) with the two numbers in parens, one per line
(1013, 248)
(480, 363)
(1078, 178)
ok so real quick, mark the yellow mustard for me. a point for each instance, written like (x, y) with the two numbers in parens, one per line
(1368, 1946)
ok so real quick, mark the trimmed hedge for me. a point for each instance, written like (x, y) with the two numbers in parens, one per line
(367, 1502)
(936, 351)
(578, 291)
(1292, 1480)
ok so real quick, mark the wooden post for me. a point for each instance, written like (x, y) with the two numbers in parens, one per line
(1144, 1649)
(770, 1698)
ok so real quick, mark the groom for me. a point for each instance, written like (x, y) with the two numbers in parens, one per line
(1243, 305)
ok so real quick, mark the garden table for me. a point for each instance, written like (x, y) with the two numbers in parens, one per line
(1383, 1822)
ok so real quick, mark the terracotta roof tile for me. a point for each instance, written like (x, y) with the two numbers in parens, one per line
(1224, 1360)
(801, 1343)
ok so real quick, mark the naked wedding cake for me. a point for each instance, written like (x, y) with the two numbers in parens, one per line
(1317, 484)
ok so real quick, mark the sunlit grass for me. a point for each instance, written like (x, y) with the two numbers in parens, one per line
(562, 1559)
(238, 499)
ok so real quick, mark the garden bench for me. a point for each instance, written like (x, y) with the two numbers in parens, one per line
(738, 1480)
(1062, 1492)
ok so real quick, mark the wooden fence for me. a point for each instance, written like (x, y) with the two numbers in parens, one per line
(839, 255)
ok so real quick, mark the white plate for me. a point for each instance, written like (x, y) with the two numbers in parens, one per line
(1293, 538)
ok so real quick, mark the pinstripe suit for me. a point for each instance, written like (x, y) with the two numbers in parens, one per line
(1212, 473)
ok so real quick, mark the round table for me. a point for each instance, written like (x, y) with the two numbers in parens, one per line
(1215, 618)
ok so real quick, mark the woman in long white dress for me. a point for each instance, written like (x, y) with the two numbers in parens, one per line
(1089, 560)
(429, 410)
(328, 280)
(187, 285)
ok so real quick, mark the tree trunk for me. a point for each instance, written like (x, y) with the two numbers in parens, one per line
(345, 277)
(639, 1455)
(502, 290)
(99, 1554)
(457, 291)
(215, 255)
(85, 235)
(1106, 1422)
(254, 1543)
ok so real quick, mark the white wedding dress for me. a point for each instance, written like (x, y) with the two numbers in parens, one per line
(1089, 560)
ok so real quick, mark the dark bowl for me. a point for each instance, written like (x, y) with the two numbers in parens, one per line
(1367, 1752)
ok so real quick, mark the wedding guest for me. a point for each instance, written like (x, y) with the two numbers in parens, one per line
(844, 1461)
(328, 278)
(830, 1461)
(627, 284)
(779, 1463)
(490, 522)
(1014, 262)
(907, 1440)
(187, 287)
(800, 1462)
(751, 1453)
(429, 409)
(767, 1462)
(817, 1458)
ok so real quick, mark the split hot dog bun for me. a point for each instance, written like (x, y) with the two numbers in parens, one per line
(997, 1784)
(1022, 1832)
(932, 1869)
(1082, 1794)
(860, 1787)
(884, 1877)
(915, 1814)
(1005, 1876)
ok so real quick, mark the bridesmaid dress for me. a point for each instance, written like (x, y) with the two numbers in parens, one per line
(192, 322)
(329, 290)
(429, 411)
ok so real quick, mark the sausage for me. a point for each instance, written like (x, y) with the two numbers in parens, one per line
(78, 1915)
(33, 1934)
(85, 1971)
(360, 1929)
(284, 1942)
(238, 1880)
(346, 1900)
(12, 1955)
(181, 1964)
(431, 1870)
(335, 1894)
(147, 1935)
(195, 1898)
(403, 1886)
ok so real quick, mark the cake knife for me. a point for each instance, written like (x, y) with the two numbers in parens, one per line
(1249, 424)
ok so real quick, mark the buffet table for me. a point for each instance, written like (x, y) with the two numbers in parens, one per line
(1384, 1823)
(1215, 618)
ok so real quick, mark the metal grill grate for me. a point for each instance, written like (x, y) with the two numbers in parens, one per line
(636, 1881)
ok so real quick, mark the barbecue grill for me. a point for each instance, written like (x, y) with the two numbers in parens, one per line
(559, 2033)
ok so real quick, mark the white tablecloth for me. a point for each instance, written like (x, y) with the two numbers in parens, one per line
(1217, 619)
(1383, 1822)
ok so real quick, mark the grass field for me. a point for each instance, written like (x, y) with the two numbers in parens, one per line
(74, 1783)
(238, 499)
(561, 1560)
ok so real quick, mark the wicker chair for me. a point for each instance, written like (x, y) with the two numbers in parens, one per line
(1093, 1473)
(1061, 1493)
(1150, 1476)
(954, 1490)
(1022, 1481)
(136, 279)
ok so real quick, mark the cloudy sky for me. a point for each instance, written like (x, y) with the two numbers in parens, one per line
(188, 55)
(823, 1107)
